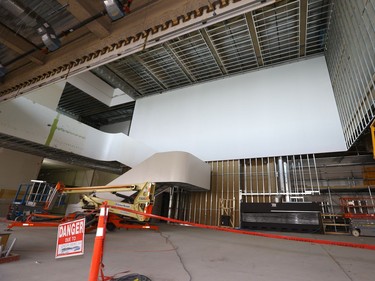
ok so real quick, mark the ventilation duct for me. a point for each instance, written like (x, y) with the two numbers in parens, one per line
(48, 36)
(114, 9)
(31, 19)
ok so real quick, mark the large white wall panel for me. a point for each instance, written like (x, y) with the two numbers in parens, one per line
(284, 110)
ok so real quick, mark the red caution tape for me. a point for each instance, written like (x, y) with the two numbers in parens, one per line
(261, 234)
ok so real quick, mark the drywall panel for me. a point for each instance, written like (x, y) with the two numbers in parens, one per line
(173, 168)
(17, 167)
(284, 110)
(169, 167)
(48, 96)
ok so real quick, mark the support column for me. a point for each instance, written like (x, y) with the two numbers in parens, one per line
(15, 168)
(171, 193)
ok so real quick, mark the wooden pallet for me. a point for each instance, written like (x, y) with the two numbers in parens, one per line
(10, 258)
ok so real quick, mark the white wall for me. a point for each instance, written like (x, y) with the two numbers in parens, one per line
(284, 110)
(15, 168)
(48, 96)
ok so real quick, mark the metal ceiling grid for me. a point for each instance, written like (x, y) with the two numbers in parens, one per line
(278, 31)
(319, 13)
(164, 67)
(114, 80)
(133, 72)
(232, 42)
(88, 110)
(194, 54)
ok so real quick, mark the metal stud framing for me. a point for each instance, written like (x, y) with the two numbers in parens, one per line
(194, 53)
(351, 63)
(319, 13)
(253, 180)
(232, 43)
(137, 75)
(160, 62)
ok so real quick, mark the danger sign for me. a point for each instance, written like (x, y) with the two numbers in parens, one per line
(70, 239)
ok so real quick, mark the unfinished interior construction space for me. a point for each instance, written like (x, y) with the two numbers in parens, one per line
(249, 116)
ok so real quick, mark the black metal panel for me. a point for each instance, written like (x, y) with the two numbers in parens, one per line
(298, 217)
(271, 207)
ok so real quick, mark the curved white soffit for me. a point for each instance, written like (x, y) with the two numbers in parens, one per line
(172, 168)
(28, 120)
(169, 167)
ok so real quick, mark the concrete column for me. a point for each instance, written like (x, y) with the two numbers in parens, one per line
(15, 168)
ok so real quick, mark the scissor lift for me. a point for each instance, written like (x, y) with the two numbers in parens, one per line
(361, 212)
(31, 199)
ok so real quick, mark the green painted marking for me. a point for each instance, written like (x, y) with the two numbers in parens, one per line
(53, 129)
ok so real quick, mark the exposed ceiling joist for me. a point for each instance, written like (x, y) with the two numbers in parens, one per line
(83, 10)
(302, 27)
(254, 37)
(150, 73)
(209, 44)
(112, 78)
(180, 64)
(136, 92)
(20, 45)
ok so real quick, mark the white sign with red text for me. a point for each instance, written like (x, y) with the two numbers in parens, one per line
(70, 239)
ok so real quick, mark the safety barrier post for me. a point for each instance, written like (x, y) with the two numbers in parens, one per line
(97, 254)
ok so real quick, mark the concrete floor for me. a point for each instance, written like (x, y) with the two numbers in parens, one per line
(184, 253)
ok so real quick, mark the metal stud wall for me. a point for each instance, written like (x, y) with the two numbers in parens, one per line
(351, 63)
(318, 15)
(254, 180)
